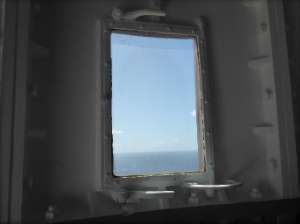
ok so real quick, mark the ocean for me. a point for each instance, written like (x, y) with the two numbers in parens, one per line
(135, 163)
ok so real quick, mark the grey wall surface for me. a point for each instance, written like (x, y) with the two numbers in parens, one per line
(236, 96)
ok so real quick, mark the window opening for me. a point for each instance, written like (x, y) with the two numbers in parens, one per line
(157, 116)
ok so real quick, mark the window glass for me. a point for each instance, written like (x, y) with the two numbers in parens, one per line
(154, 119)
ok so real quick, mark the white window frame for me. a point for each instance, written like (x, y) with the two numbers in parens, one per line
(105, 156)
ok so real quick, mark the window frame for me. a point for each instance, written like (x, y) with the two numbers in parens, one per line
(105, 154)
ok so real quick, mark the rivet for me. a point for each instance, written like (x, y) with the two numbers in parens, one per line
(107, 136)
(107, 63)
(206, 101)
(207, 133)
(108, 174)
(111, 23)
(203, 71)
(168, 28)
(141, 26)
(116, 182)
(106, 30)
(193, 31)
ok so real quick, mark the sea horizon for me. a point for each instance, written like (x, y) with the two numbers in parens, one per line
(155, 162)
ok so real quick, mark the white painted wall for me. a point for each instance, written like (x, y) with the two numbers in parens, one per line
(238, 101)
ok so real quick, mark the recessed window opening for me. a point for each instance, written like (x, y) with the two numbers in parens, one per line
(157, 116)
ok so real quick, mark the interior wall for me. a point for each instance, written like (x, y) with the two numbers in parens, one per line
(236, 97)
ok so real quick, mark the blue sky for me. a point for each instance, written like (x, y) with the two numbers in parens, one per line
(153, 94)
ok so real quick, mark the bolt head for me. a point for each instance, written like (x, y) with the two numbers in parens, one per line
(117, 12)
(199, 20)
(209, 193)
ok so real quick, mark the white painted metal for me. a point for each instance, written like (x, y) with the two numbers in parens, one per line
(250, 105)
(118, 14)
(107, 180)
(230, 184)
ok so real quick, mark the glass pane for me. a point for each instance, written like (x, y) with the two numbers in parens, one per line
(154, 123)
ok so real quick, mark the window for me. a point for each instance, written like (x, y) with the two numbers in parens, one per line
(154, 104)
(154, 118)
